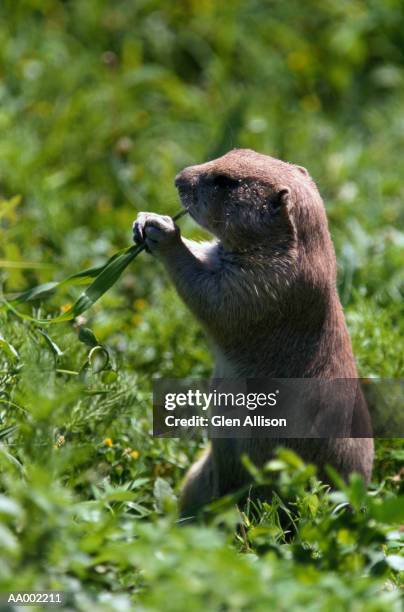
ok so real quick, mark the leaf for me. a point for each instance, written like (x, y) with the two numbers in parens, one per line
(51, 343)
(141, 510)
(8, 349)
(251, 468)
(357, 492)
(335, 477)
(108, 376)
(90, 511)
(275, 465)
(87, 336)
(164, 495)
(9, 507)
(139, 482)
(7, 207)
(390, 511)
(121, 496)
(4, 452)
(9, 542)
(397, 454)
(312, 503)
(7, 431)
(396, 562)
(290, 457)
(25, 265)
(98, 358)
(104, 278)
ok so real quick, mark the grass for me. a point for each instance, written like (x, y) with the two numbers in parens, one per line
(101, 105)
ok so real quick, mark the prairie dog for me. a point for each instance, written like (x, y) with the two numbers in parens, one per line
(265, 291)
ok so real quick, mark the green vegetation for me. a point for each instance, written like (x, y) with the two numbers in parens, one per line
(101, 104)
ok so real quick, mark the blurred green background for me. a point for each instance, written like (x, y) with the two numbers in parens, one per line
(101, 104)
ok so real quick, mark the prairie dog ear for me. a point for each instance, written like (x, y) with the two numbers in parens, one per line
(281, 199)
(281, 206)
(302, 170)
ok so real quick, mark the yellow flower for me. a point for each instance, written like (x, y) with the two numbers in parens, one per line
(108, 442)
(135, 454)
(65, 307)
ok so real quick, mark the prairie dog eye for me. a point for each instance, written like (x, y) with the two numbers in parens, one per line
(225, 182)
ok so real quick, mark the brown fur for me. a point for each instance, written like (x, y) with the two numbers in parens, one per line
(265, 292)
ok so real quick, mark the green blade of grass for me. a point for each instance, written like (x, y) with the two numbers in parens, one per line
(8, 348)
(104, 278)
(25, 265)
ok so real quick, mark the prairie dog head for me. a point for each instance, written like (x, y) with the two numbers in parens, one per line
(251, 200)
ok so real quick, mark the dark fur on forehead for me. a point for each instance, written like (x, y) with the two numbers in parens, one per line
(246, 163)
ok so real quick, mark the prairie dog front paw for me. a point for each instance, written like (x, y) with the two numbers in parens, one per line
(158, 232)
